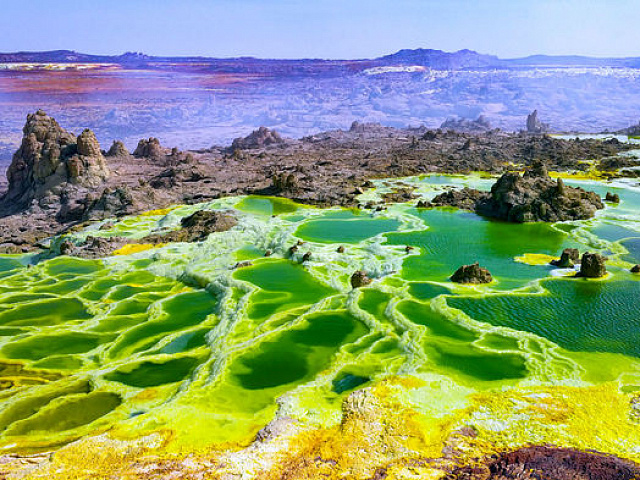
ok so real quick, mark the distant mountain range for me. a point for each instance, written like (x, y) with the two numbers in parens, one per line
(436, 59)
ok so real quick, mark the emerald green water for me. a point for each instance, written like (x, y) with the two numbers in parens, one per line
(161, 337)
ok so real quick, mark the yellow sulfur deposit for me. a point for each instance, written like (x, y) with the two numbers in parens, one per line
(535, 259)
(132, 248)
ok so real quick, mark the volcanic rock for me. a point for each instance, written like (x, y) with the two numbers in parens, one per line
(284, 182)
(548, 463)
(150, 148)
(473, 273)
(569, 257)
(480, 125)
(118, 149)
(50, 157)
(612, 197)
(360, 279)
(592, 265)
(196, 227)
(112, 202)
(532, 197)
(257, 139)
(466, 198)
(534, 125)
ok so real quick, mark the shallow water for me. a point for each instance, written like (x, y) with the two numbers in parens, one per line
(174, 336)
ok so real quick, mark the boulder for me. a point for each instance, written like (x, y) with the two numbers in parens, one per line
(360, 279)
(473, 273)
(592, 265)
(612, 197)
(635, 269)
(568, 259)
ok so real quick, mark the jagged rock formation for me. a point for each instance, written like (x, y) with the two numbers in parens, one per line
(532, 197)
(458, 124)
(150, 148)
(534, 125)
(592, 265)
(473, 273)
(360, 279)
(118, 149)
(259, 138)
(49, 158)
(569, 257)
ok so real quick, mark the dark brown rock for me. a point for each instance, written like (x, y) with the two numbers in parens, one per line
(473, 273)
(243, 264)
(592, 265)
(532, 197)
(360, 279)
(612, 197)
(568, 259)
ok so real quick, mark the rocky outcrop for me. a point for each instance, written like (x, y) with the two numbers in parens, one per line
(259, 138)
(612, 197)
(360, 279)
(118, 149)
(532, 197)
(569, 257)
(480, 125)
(465, 198)
(150, 148)
(473, 273)
(534, 125)
(196, 227)
(592, 265)
(285, 182)
(545, 462)
(50, 157)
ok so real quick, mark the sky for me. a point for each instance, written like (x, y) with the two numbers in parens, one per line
(341, 29)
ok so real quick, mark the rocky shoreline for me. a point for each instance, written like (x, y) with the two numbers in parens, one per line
(58, 181)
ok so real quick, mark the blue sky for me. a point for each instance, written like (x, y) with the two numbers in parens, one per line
(322, 28)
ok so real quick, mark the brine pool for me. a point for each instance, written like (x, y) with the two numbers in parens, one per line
(174, 339)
